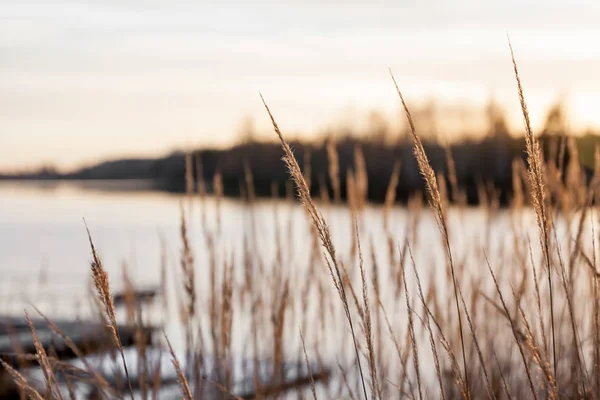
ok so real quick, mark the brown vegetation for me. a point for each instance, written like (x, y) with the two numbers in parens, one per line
(528, 329)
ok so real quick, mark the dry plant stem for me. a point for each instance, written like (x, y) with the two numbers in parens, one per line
(446, 345)
(226, 316)
(200, 183)
(536, 179)
(185, 388)
(218, 190)
(73, 347)
(189, 303)
(513, 328)
(345, 381)
(390, 195)
(392, 336)
(504, 384)
(377, 288)
(334, 174)
(322, 231)
(538, 301)
(413, 342)
(156, 380)
(595, 308)
(488, 385)
(568, 283)
(533, 347)
(142, 365)
(362, 180)
(460, 383)
(21, 381)
(100, 277)
(406, 355)
(187, 268)
(456, 195)
(189, 174)
(580, 360)
(428, 325)
(51, 383)
(375, 388)
(437, 205)
(310, 375)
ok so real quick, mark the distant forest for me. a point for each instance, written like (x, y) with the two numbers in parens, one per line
(483, 167)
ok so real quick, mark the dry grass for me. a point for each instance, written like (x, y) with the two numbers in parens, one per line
(22, 382)
(323, 232)
(101, 283)
(525, 336)
(312, 379)
(437, 204)
(538, 195)
(181, 378)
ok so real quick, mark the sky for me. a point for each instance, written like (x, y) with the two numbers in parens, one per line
(91, 80)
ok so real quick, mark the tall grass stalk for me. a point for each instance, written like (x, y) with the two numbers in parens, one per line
(538, 196)
(440, 215)
(322, 230)
(101, 283)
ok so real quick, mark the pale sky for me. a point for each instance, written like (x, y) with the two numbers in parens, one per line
(89, 80)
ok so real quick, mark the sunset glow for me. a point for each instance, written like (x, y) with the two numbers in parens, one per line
(88, 80)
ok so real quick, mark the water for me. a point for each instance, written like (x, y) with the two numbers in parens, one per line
(45, 250)
(45, 256)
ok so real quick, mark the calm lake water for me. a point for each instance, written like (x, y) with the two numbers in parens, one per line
(44, 244)
(45, 253)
